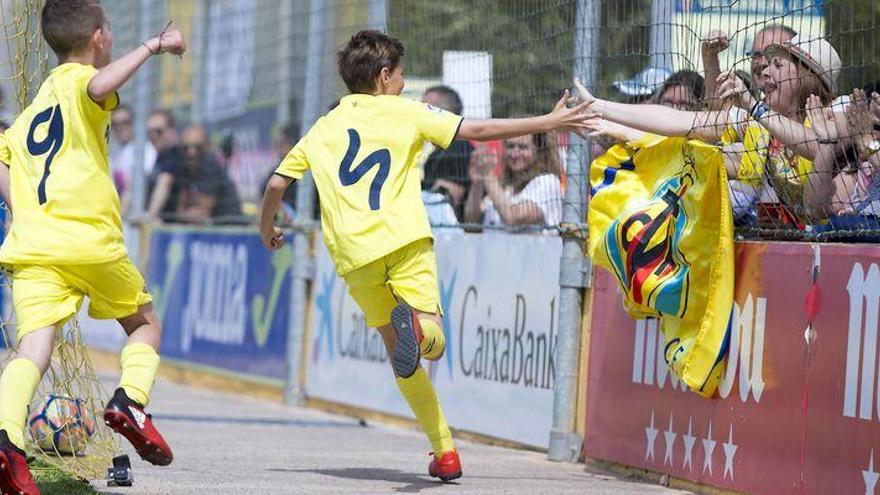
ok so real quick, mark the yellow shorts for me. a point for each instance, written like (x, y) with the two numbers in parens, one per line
(46, 295)
(410, 273)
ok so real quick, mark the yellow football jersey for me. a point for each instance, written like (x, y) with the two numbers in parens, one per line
(765, 158)
(65, 208)
(363, 156)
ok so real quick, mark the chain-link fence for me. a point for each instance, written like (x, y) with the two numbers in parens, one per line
(258, 72)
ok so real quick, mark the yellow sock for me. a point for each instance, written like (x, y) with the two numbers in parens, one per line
(17, 386)
(419, 393)
(139, 366)
(434, 342)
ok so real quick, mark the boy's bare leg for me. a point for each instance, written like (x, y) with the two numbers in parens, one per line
(143, 327)
(37, 346)
(140, 363)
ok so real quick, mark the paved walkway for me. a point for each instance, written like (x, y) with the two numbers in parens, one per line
(227, 444)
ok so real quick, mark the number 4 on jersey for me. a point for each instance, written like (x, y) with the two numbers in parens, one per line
(380, 158)
(51, 143)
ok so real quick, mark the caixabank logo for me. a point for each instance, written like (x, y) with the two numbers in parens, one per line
(504, 344)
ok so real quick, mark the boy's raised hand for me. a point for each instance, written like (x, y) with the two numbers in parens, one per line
(172, 41)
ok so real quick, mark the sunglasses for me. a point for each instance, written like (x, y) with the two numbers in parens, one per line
(756, 53)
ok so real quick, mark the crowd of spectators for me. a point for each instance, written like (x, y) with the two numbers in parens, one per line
(800, 152)
(185, 179)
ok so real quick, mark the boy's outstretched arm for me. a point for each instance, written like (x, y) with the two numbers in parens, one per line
(561, 118)
(111, 77)
(271, 235)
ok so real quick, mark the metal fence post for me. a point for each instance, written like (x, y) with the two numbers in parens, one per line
(565, 442)
(305, 199)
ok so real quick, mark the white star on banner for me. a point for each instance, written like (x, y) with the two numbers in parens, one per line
(669, 435)
(870, 476)
(708, 448)
(651, 433)
(688, 448)
(729, 452)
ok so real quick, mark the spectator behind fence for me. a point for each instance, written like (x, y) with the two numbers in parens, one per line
(743, 195)
(446, 171)
(528, 192)
(683, 90)
(198, 188)
(122, 157)
(863, 119)
(162, 134)
(777, 145)
(856, 192)
(717, 41)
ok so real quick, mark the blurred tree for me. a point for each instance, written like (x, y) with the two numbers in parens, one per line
(853, 27)
(530, 42)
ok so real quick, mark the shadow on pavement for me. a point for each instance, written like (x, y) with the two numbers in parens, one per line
(411, 483)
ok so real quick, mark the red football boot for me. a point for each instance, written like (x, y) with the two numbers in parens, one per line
(447, 467)
(15, 477)
(128, 418)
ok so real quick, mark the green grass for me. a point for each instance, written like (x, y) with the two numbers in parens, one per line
(53, 481)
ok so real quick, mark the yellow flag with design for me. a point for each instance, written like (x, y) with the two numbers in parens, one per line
(660, 220)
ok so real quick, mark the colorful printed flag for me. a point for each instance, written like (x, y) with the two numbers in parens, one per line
(660, 220)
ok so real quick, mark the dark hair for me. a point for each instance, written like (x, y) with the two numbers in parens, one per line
(169, 117)
(693, 82)
(68, 25)
(364, 56)
(450, 97)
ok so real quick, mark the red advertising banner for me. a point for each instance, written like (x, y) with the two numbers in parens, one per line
(798, 410)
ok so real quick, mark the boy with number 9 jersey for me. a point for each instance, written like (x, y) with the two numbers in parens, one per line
(65, 241)
(363, 157)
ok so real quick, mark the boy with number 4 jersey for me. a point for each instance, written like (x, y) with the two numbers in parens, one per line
(363, 157)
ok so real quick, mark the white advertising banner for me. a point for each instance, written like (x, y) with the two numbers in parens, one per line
(230, 58)
(500, 295)
(470, 74)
